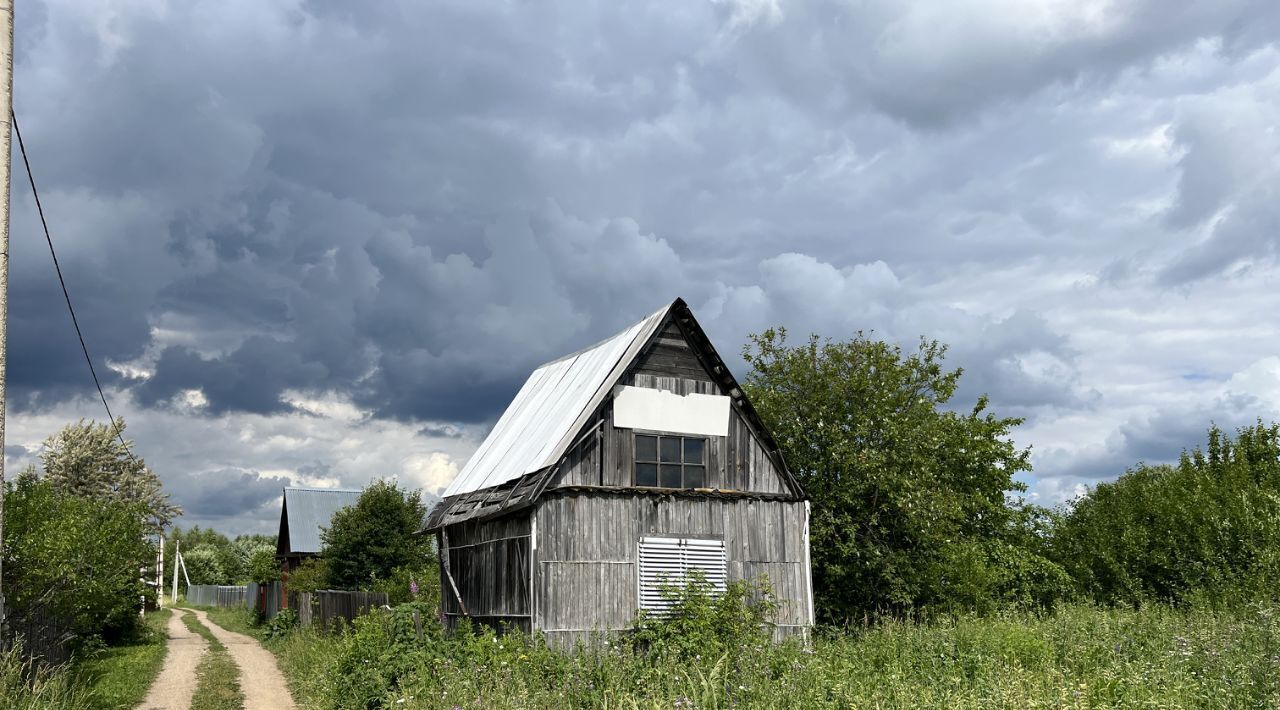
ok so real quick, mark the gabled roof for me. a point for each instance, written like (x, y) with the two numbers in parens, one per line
(547, 417)
(552, 406)
(305, 512)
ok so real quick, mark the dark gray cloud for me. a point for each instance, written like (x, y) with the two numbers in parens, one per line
(224, 492)
(353, 223)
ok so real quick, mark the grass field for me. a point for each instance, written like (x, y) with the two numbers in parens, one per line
(1078, 657)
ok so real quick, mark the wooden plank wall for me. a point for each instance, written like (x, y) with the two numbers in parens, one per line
(490, 563)
(669, 355)
(582, 465)
(587, 546)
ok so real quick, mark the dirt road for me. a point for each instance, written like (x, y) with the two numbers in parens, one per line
(260, 678)
(173, 688)
(261, 682)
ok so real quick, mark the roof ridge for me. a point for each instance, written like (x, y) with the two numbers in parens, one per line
(323, 490)
(604, 340)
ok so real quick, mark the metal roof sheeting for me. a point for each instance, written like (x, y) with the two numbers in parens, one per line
(549, 410)
(310, 509)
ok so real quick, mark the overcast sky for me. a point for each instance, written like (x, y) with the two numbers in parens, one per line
(320, 242)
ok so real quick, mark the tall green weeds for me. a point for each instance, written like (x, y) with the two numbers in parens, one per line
(25, 685)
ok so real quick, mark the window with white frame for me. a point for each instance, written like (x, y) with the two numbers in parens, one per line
(674, 561)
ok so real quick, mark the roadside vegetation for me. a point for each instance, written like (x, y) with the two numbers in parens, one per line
(77, 530)
(118, 676)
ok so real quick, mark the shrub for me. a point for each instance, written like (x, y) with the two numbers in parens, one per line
(281, 624)
(412, 584)
(262, 566)
(368, 541)
(312, 574)
(704, 623)
(75, 559)
(1206, 527)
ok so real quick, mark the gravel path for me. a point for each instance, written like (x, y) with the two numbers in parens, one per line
(173, 688)
(260, 679)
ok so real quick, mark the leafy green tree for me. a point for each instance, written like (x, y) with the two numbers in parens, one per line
(1208, 526)
(209, 555)
(310, 575)
(73, 558)
(206, 565)
(88, 459)
(368, 541)
(910, 500)
(245, 547)
(262, 567)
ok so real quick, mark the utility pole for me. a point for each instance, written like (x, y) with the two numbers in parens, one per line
(160, 574)
(6, 110)
(177, 558)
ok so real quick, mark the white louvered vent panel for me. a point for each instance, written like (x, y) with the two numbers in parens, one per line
(667, 561)
(707, 556)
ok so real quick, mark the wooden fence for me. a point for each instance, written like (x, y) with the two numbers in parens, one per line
(265, 598)
(43, 638)
(329, 609)
(216, 595)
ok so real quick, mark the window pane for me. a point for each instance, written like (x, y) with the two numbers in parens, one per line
(646, 474)
(670, 476)
(670, 449)
(693, 450)
(646, 448)
(695, 477)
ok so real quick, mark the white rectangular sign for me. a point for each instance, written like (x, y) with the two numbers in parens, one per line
(657, 410)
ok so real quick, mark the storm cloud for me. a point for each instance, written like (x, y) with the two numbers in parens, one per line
(321, 242)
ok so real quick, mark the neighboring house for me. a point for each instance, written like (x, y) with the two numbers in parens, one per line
(305, 512)
(616, 468)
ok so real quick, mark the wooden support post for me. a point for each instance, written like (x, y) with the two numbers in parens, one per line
(444, 560)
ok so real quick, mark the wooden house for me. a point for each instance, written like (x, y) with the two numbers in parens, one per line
(615, 470)
(304, 512)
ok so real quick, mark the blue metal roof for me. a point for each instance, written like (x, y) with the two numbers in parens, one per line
(305, 512)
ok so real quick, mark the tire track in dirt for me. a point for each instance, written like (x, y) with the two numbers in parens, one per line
(176, 684)
(261, 682)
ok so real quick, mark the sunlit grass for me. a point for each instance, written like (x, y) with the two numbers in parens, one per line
(1080, 656)
(119, 676)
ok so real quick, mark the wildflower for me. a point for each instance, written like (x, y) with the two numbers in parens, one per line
(413, 587)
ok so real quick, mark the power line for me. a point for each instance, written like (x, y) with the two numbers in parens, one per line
(67, 296)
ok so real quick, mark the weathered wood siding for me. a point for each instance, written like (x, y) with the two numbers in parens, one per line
(587, 543)
(737, 462)
(669, 355)
(582, 465)
(490, 564)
